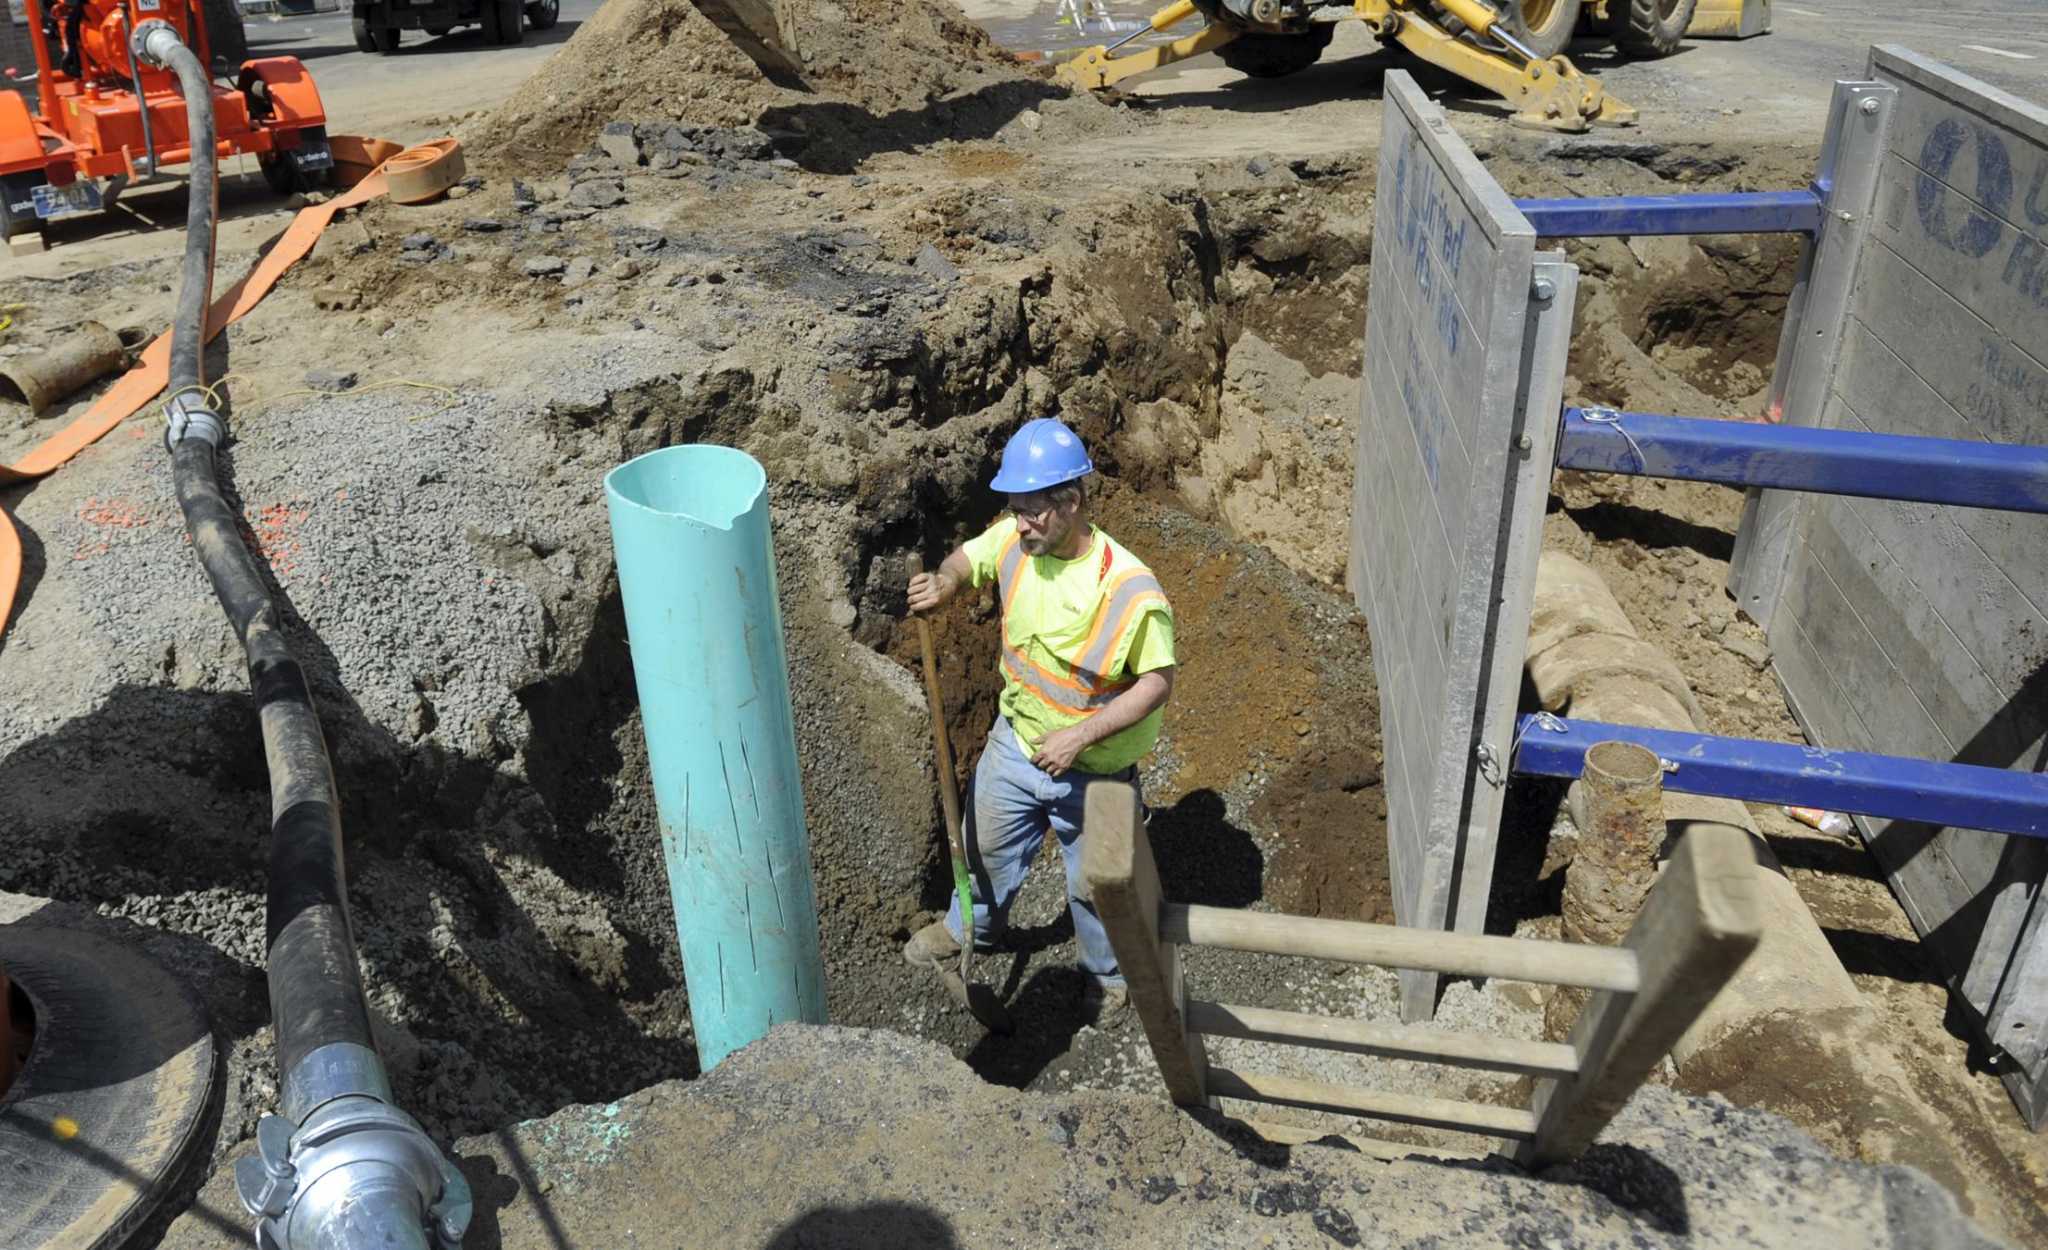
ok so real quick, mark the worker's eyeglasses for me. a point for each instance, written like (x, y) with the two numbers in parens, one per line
(1037, 516)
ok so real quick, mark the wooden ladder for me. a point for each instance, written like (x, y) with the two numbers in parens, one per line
(1697, 926)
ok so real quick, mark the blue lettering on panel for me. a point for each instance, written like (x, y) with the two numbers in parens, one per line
(2024, 271)
(2026, 267)
(2009, 379)
(1980, 231)
(1432, 238)
(1425, 409)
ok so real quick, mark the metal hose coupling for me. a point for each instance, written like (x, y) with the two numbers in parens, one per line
(153, 41)
(358, 1173)
(190, 414)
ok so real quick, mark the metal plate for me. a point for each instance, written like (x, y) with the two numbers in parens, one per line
(1437, 469)
(1912, 629)
(82, 196)
(312, 155)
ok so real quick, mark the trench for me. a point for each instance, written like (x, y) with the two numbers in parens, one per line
(509, 894)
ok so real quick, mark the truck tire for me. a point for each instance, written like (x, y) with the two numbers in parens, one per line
(1649, 28)
(284, 175)
(543, 14)
(17, 191)
(226, 40)
(503, 22)
(123, 1053)
(1545, 25)
(382, 40)
(1260, 55)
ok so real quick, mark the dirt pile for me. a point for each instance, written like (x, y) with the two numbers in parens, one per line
(650, 60)
(902, 1147)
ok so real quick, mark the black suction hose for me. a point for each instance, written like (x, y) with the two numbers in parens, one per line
(343, 1168)
(316, 992)
(202, 204)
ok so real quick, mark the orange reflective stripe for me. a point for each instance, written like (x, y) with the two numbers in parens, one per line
(1053, 676)
(1009, 562)
(1134, 592)
(1104, 613)
(1068, 697)
(1032, 677)
(1137, 608)
(1021, 670)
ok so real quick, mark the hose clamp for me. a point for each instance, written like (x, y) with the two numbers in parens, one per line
(188, 414)
(153, 41)
(333, 1071)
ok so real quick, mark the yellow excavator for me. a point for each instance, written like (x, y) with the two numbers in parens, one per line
(1515, 51)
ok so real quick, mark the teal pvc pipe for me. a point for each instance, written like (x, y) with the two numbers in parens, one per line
(697, 574)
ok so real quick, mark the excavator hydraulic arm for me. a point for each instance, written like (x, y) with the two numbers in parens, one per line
(1094, 69)
(754, 29)
(1548, 92)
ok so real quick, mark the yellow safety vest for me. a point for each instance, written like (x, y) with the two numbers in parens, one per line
(1067, 638)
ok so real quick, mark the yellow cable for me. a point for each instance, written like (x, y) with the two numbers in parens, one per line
(212, 395)
(450, 399)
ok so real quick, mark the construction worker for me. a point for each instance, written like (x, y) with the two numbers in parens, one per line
(1087, 664)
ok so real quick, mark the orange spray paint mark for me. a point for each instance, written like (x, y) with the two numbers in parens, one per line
(106, 516)
(272, 531)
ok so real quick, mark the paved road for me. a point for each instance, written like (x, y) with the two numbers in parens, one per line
(424, 85)
(2005, 44)
(1785, 76)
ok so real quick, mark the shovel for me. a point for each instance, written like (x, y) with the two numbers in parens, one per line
(980, 1000)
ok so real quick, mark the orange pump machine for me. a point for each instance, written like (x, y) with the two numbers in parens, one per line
(106, 120)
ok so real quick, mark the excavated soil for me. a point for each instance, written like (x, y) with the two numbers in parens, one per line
(876, 65)
(864, 1110)
(866, 287)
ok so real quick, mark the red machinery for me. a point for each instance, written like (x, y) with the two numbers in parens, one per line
(104, 114)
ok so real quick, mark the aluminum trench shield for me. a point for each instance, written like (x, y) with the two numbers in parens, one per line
(1466, 331)
(1909, 628)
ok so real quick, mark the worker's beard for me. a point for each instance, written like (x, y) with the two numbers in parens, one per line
(1052, 541)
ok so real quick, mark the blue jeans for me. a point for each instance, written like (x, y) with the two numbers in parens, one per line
(1011, 803)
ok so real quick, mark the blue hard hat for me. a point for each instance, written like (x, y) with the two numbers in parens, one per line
(1043, 453)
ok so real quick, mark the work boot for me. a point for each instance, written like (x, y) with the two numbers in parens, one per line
(1103, 999)
(931, 946)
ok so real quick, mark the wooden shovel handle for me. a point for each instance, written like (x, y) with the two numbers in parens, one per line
(949, 799)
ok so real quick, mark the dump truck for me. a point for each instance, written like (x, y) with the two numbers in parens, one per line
(378, 23)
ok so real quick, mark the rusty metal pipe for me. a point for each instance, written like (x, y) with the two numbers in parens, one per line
(46, 379)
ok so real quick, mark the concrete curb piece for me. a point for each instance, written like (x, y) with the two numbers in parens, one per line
(1793, 1008)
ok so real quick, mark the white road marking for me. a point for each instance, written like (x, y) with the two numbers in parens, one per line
(1786, 8)
(2017, 56)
